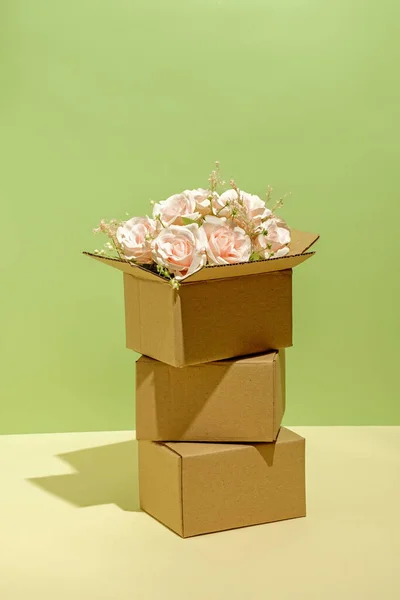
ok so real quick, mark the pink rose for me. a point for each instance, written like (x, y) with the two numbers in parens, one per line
(227, 244)
(221, 204)
(134, 238)
(171, 210)
(273, 241)
(181, 249)
(202, 199)
(255, 207)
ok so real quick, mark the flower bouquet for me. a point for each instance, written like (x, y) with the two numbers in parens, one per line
(199, 227)
(208, 276)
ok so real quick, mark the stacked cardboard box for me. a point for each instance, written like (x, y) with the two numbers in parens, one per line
(210, 393)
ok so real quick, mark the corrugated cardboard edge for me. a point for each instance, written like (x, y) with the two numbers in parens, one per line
(211, 272)
(245, 269)
(301, 242)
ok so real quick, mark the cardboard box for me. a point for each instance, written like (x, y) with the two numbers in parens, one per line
(218, 312)
(234, 400)
(195, 488)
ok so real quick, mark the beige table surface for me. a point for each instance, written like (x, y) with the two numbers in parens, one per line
(70, 526)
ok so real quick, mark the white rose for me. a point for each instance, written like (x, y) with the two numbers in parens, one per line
(134, 238)
(202, 199)
(171, 210)
(255, 207)
(273, 242)
(181, 249)
(227, 243)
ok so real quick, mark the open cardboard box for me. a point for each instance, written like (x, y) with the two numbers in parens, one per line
(218, 312)
(196, 488)
(233, 400)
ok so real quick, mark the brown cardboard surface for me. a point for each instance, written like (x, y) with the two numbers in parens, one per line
(224, 318)
(155, 458)
(211, 320)
(300, 243)
(152, 319)
(279, 391)
(223, 486)
(225, 401)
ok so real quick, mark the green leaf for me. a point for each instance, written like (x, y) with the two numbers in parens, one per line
(254, 256)
(187, 221)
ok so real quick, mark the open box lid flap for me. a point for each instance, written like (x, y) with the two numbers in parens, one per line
(300, 243)
(127, 267)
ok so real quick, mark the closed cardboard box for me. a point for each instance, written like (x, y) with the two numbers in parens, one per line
(226, 401)
(218, 312)
(196, 488)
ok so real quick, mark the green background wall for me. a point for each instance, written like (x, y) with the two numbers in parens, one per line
(106, 104)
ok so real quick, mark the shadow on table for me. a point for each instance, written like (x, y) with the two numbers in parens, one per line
(105, 475)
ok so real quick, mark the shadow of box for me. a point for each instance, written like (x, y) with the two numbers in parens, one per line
(104, 475)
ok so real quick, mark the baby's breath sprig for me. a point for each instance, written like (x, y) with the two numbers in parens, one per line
(163, 271)
(215, 181)
(269, 194)
(254, 256)
(215, 178)
(175, 284)
(235, 187)
(279, 203)
(239, 213)
(109, 228)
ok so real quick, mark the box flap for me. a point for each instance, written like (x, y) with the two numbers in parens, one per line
(258, 267)
(127, 267)
(300, 243)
